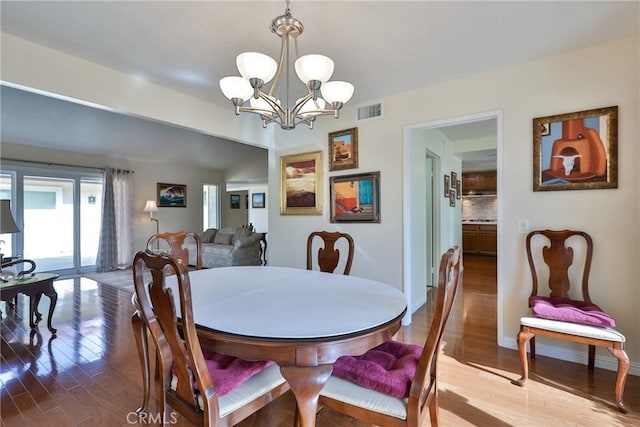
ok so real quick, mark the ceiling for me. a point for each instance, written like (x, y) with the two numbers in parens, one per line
(383, 48)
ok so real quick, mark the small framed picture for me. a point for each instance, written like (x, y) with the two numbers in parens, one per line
(447, 185)
(452, 198)
(343, 149)
(234, 201)
(172, 195)
(454, 179)
(458, 189)
(257, 200)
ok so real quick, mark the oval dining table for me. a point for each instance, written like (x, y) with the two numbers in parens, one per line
(303, 320)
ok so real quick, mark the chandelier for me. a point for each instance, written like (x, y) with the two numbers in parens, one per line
(257, 70)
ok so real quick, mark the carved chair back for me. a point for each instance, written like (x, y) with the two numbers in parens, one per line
(175, 242)
(559, 257)
(424, 389)
(328, 256)
(159, 307)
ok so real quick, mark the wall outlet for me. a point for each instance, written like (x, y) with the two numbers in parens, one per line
(523, 226)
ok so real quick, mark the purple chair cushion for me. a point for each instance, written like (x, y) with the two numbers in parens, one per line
(388, 368)
(568, 310)
(228, 372)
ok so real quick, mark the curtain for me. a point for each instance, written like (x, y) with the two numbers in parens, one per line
(116, 231)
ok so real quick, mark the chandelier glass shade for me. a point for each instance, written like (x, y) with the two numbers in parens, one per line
(323, 97)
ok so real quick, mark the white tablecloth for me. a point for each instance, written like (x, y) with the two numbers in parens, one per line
(279, 302)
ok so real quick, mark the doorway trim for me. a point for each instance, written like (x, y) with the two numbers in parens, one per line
(409, 208)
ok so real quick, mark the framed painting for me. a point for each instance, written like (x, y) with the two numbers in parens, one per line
(234, 201)
(343, 149)
(172, 195)
(447, 185)
(257, 200)
(452, 198)
(301, 184)
(576, 151)
(355, 198)
(458, 189)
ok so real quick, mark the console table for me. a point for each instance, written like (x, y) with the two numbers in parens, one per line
(33, 286)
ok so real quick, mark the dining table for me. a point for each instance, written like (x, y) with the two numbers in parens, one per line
(303, 320)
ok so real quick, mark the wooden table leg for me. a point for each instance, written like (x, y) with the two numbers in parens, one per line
(53, 297)
(306, 383)
(140, 334)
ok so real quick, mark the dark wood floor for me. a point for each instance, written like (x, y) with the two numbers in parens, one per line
(89, 375)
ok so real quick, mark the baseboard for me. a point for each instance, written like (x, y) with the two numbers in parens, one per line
(601, 361)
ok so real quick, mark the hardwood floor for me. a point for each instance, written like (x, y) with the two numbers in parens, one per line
(89, 375)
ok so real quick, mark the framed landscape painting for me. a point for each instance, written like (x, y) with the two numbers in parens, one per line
(172, 195)
(301, 184)
(576, 151)
(355, 198)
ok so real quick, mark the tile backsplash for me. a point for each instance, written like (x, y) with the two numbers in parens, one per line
(480, 207)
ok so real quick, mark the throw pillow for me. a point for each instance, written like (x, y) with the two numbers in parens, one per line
(388, 368)
(223, 238)
(208, 235)
(568, 310)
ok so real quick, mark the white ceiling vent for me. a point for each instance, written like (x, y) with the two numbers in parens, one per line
(371, 111)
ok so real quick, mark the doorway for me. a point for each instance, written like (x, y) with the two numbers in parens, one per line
(420, 214)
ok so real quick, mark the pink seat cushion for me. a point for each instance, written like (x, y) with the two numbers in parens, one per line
(388, 368)
(228, 372)
(568, 310)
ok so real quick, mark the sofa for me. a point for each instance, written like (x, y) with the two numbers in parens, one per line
(227, 247)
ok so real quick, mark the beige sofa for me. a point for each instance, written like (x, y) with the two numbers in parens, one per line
(227, 247)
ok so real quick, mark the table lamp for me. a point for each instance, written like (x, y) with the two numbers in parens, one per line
(7, 223)
(151, 207)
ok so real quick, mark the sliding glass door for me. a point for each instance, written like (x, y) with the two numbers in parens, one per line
(58, 213)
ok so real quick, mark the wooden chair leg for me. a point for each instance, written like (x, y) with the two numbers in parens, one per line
(140, 334)
(523, 337)
(592, 357)
(623, 369)
(434, 407)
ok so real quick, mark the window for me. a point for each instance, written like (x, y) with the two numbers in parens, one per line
(210, 206)
(58, 213)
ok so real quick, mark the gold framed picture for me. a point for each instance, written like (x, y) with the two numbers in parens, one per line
(343, 149)
(301, 184)
(576, 151)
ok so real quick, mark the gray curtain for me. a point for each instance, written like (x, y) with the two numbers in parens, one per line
(116, 232)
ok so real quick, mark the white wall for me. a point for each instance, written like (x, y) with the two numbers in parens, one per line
(600, 76)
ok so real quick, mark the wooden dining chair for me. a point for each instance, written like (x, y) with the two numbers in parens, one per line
(395, 384)
(558, 315)
(171, 243)
(328, 256)
(208, 388)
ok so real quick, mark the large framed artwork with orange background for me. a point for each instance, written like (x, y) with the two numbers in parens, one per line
(301, 184)
(355, 198)
(576, 151)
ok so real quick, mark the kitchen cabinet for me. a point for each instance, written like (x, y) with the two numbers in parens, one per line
(479, 239)
(479, 181)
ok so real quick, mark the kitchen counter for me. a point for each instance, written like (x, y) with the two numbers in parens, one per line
(476, 222)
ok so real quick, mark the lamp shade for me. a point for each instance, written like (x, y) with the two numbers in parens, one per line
(314, 67)
(7, 224)
(236, 87)
(151, 206)
(256, 65)
(311, 107)
(337, 91)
